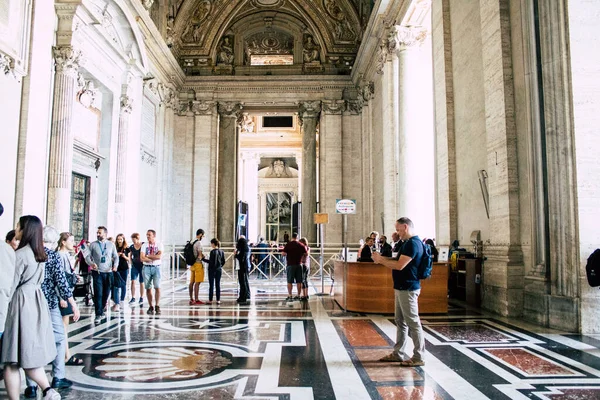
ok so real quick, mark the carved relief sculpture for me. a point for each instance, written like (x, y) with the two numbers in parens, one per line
(311, 50)
(343, 27)
(193, 30)
(247, 124)
(225, 51)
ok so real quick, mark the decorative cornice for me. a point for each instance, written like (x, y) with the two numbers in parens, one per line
(308, 109)
(126, 104)
(67, 60)
(203, 107)
(230, 109)
(333, 107)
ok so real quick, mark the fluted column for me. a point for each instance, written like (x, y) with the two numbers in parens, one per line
(67, 61)
(229, 113)
(309, 116)
(121, 175)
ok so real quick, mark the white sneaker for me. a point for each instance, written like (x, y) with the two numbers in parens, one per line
(52, 395)
(97, 320)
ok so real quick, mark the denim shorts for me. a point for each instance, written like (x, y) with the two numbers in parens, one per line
(137, 273)
(152, 276)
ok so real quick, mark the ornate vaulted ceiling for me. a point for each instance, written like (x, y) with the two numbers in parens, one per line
(257, 37)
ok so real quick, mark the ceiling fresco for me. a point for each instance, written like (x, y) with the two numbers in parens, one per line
(222, 37)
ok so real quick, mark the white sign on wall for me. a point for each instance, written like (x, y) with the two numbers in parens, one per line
(345, 206)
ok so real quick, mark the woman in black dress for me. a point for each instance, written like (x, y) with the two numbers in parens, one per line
(242, 254)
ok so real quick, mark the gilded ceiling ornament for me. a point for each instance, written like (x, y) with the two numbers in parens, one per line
(267, 3)
(343, 27)
(268, 43)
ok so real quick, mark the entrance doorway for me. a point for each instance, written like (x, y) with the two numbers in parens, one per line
(80, 206)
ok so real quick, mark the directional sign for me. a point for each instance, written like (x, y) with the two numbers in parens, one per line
(345, 206)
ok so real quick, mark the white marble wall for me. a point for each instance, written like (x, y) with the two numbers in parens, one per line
(584, 44)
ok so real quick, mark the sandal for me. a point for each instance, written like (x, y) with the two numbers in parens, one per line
(74, 361)
(392, 357)
(412, 363)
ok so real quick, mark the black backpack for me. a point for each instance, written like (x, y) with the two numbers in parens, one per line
(188, 253)
(592, 269)
(426, 265)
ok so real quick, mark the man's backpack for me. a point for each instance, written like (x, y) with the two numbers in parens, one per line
(188, 253)
(426, 265)
(592, 268)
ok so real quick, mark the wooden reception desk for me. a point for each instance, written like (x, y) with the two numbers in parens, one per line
(369, 288)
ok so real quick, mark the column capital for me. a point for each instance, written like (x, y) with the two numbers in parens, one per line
(309, 109)
(367, 91)
(126, 104)
(168, 96)
(203, 107)
(230, 109)
(334, 107)
(67, 60)
(354, 107)
(402, 37)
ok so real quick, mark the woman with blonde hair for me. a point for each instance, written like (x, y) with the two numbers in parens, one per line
(65, 249)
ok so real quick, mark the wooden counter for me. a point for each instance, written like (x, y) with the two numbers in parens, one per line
(370, 289)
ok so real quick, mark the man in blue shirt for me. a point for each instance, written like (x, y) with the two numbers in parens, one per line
(104, 260)
(407, 288)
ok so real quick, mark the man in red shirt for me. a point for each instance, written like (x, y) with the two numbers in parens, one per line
(294, 251)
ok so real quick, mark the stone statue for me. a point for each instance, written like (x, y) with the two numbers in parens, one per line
(247, 124)
(225, 52)
(311, 50)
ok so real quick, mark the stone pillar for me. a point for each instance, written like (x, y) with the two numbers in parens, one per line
(201, 174)
(250, 161)
(445, 143)
(352, 166)
(309, 117)
(411, 67)
(229, 113)
(367, 92)
(330, 167)
(67, 61)
(503, 270)
(121, 174)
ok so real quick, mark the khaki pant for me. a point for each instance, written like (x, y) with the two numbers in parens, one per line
(408, 322)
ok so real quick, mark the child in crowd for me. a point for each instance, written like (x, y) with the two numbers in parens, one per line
(305, 262)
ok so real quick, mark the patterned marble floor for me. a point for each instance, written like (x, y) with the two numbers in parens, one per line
(270, 350)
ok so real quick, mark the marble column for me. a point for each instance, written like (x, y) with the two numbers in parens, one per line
(67, 61)
(330, 167)
(412, 65)
(229, 113)
(309, 117)
(503, 281)
(352, 166)
(367, 92)
(250, 161)
(203, 133)
(121, 174)
(445, 143)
